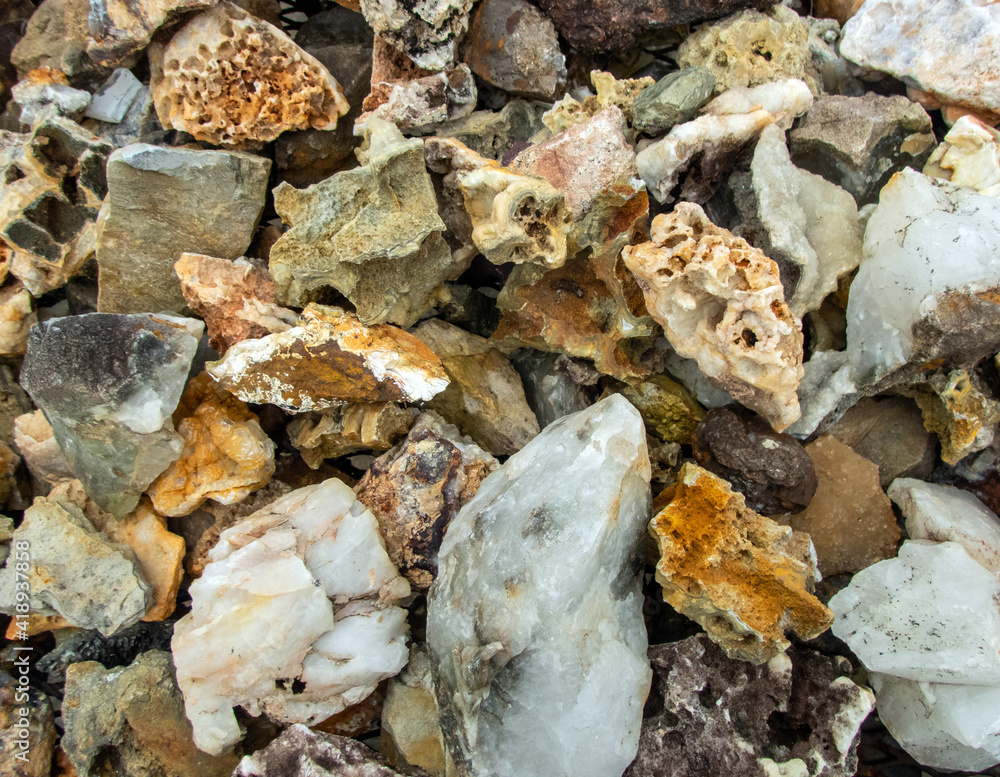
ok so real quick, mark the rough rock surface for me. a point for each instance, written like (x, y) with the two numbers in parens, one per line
(302, 752)
(746, 579)
(493, 134)
(906, 310)
(484, 397)
(772, 471)
(419, 105)
(850, 520)
(610, 91)
(37, 445)
(969, 155)
(327, 359)
(108, 384)
(17, 316)
(674, 99)
(427, 31)
(521, 654)
(355, 427)
(548, 387)
(236, 299)
(131, 720)
(120, 29)
(670, 412)
(57, 36)
(798, 714)
(27, 754)
(226, 454)
(201, 81)
(46, 93)
(292, 617)
(418, 487)
(825, 393)
(372, 233)
(163, 202)
(720, 302)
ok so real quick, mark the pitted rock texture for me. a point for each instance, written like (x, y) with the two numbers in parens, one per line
(202, 81)
(720, 301)
(338, 431)
(610, 91)
(303, 752)
(427, 31)
(746, 579)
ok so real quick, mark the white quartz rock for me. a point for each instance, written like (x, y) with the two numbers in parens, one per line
(810, 221)
(111, 102)
(969, 155)
(943, 726)
(535, 620)
(292, 616)
(929, 249)
(825, 393)
(41, 99)
(931, 614)
(948, 514)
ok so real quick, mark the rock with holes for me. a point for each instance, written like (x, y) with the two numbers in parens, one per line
(229, 78)
(428, 31)
(610, 91)
(720, 301)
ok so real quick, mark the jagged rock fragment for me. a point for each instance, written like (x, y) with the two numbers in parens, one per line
(850, 520)
(49, 233)
(56, 37)
(522, 654)
(946, 48)
(859, 143)
(610, 91)
(228, 78)
(417, 488)
(120, 29)
(226, 454)
(38, 447)
(118, 650)
(746, 579)
(484, 397)
(772, 471)
(327, 359)
(112, 101)
(798, 714)
(548, 387)
(494, 133)
(372, 233)
(669, 411)
(132, 717)
(46, 93)
(27, 728)
(236, 299)
(825, 393)
(513, 46)
(302, 752)
(421, 104)
(293, 616)
(674, 99)
(108, 384)
(17, 316)
(428, 32)
(339, 431)
(907, 309)
(720, 302)
(969, 155)
(163, 202)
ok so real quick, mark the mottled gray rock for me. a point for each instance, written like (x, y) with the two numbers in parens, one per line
(548, 387)
(301, 752)
(57, 37)
(672, 100)
(109, 384)
(427, 31)
(494, 134)
(121, 29)
(163, 202)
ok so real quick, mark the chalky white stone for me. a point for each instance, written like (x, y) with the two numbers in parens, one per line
(291, 617)
(969, 156)
(535, 620)
(111, 102)
(931, 614)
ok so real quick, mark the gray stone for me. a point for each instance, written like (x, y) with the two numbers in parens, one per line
(57, 37)
(121, 29)
(108, 384)
(163, 202)
(859, 142)
(301, 752)
(112, 101)
(548, 387)
(672, 100)
(494, 134)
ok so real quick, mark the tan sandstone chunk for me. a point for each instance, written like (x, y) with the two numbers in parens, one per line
(39, 449)
(720, 302)
(229, 78)
(339, 431)
(17, 315)
(746, 579)
(850, 519)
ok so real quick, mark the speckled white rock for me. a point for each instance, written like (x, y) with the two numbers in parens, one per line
(293, 616)
(969, 155)
(949, 48)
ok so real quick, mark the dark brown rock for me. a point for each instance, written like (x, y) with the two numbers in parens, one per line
(772, 470)
(299, 752)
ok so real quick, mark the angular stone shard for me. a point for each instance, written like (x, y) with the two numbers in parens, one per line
(302, 752)
(906, 310)
(850, 520)
(670, 412)
(858, 143)
(328, 359)
(514, 47)
(522, 654)
(493, 134)
(120, 29)
(418, 487)
(798, 714)
(229, 78)
(53, 185)
(111, 103)
(109, 384)
(825, 393)
(236, 299)
(226, 454)
(720, 302)
(674, 99)
(163, 202)
(548, 387)
(372, 233)
(132, 717)
(484, 397)
(746, 579)
(428, 32)
(339, 431)
(46, 93)
(904, 38)
(292, 617)
(969, 155)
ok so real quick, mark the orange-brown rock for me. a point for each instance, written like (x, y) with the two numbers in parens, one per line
(746, 579)
(236, 299)
(37, 624)
(339, 431)
(850, 520)
(358, 719)
(329, 358)
(226, 454)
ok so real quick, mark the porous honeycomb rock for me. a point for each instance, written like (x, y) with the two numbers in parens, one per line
(226, 454)
(746, 579)
(228, 78)
(609, 91)
(327, 359)
(338, 431)
(120, 29)
(720, 301)
(428, 31)
(969, 155)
